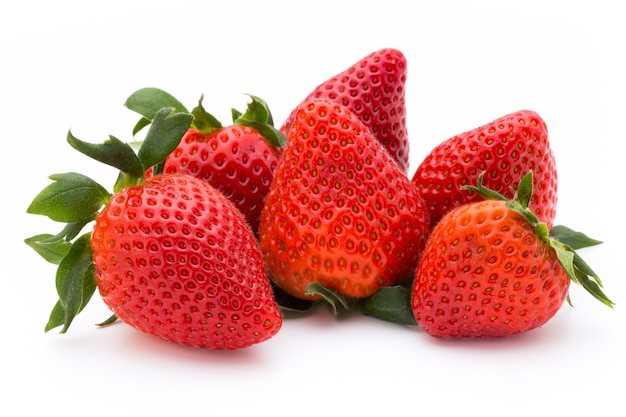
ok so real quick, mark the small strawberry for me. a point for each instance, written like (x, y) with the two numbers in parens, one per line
(239, 159)
(491, 269)
(339, 213)
(374, 89)
(170, 255)
(505, 150)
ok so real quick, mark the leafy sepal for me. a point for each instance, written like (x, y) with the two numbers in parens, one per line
(573, 239)
(204, 121)
(75, 283)
(71, 197)
(391, 304)
(148, 101)
(49, 247)
(164, 135)
(258, 117)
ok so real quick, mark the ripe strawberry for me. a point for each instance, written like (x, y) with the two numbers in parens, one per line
(169, 254)
(236, 159)
(373, 89)
(173, 258)
(505, 150)
(339, 213)
(490, 269)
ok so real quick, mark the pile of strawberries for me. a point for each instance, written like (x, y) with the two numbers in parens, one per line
(214, 233)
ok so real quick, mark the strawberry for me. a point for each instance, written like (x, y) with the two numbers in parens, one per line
(491, 269)
(175, 259)
(170, 255)
(340, 214)
(505, 150)
(374, 89)
(238, 159)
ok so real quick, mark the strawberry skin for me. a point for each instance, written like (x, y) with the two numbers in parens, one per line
(340, 212)
(504, 150)
(374, 89)
(484, 273)
(235, 159)
(173, 258)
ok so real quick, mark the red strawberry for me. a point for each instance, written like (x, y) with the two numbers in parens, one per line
(339, 213)
(490, 269)
(236, 159)
(505, 150)
(169, 254)
(373, 89)
(173, 258)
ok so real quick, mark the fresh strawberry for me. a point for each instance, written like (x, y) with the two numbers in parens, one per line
(340, 214)
(170, 255)
(505, 150)
(174, 258)
(238, 159)
(374, 89)
(491, 269)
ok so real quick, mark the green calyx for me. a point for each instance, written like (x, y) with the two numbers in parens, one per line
(562, 239)
(257, 116)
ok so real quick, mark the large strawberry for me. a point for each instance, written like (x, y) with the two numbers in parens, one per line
(374, 89)
(175, 259)
(340, 214)
(491, 269)
(505, 150)
(238, 159)
(171, 256)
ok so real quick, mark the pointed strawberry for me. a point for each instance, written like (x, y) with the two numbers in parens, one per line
(505, 149)
(340, 213)
(374, 89)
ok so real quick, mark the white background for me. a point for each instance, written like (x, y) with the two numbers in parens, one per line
(67, 64)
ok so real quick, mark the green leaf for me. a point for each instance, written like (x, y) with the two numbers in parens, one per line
(57, 317)
(204, 121)
(112, 152)
(236, 114)
(148, 101)
(566, 259)
(165, 133)
(75, 281)
(72, 197)
(573, 239)
(334, 299)
(51, 248)
(595, 289)
(270, 133)
(143, 122)
(71, 230)
(257, 111)
(391, 304)
(112, 319)
(577, 269)
(525, 189)
(259, 118)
